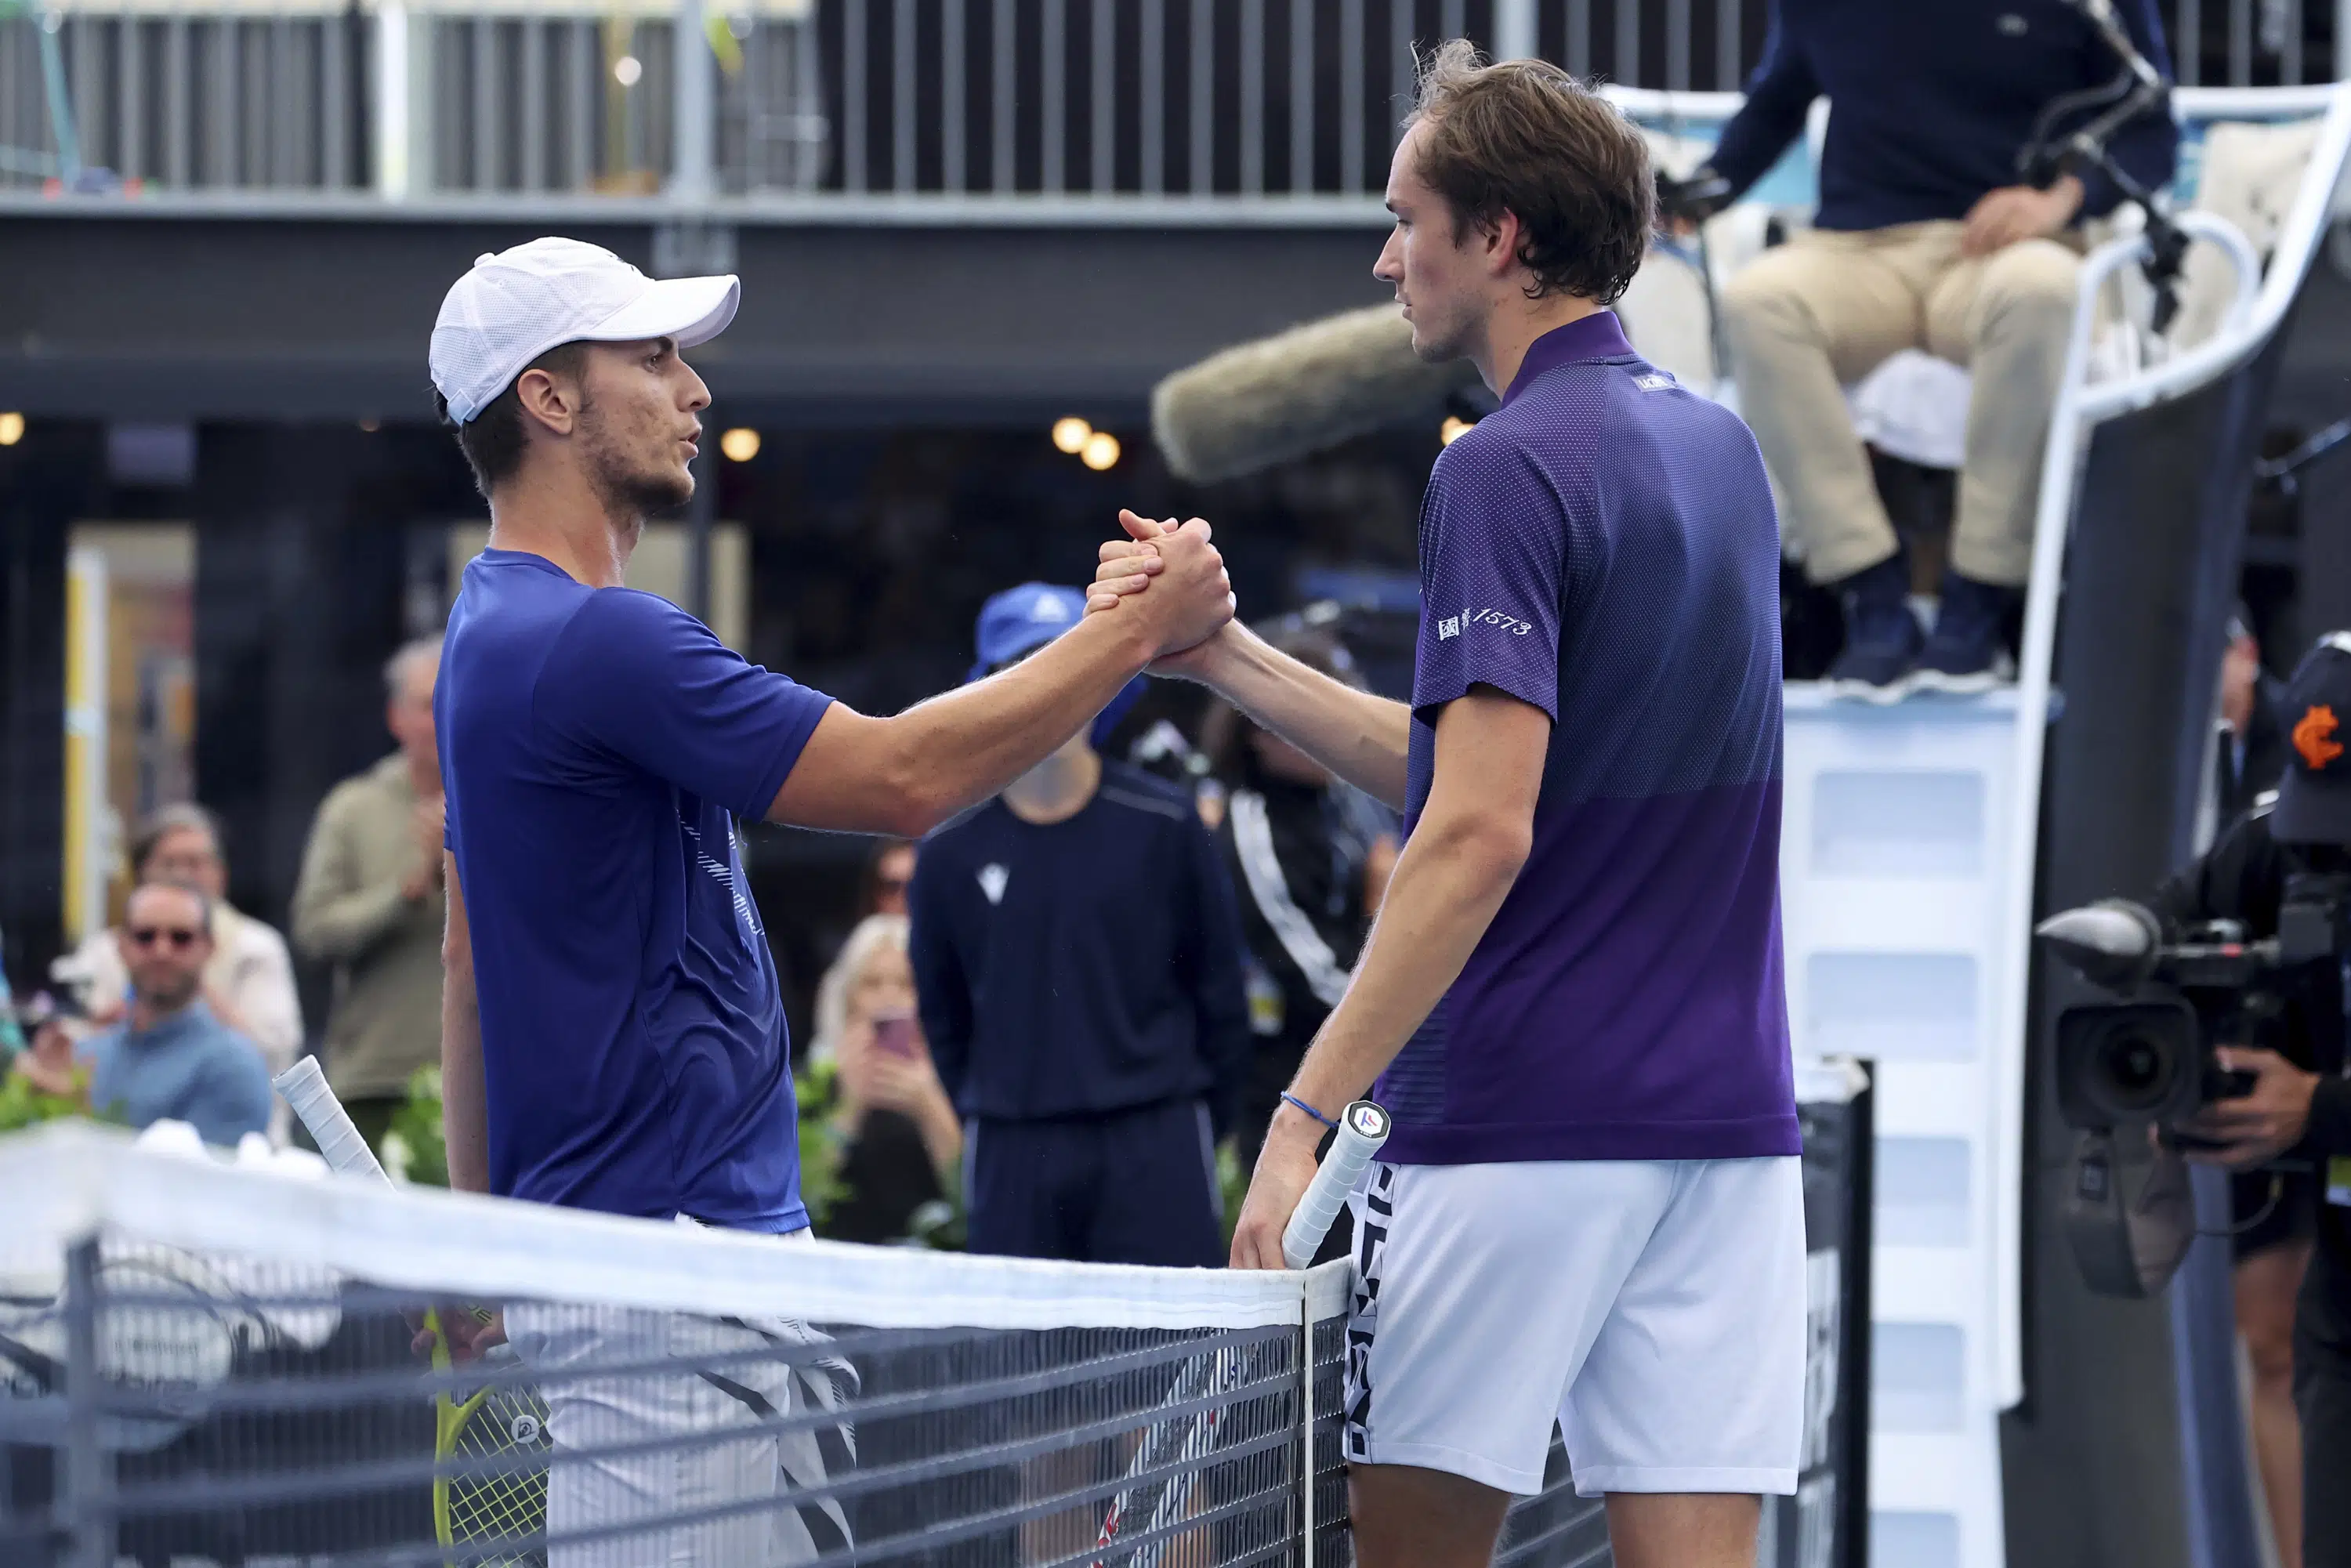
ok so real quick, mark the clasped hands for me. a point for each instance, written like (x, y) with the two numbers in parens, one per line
(1181, 582)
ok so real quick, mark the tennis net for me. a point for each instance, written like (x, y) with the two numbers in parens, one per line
(206, 1363)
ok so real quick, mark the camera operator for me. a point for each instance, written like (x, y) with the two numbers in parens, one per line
(2297, 1110)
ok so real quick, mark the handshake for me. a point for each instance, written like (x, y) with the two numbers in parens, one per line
(1173, 578)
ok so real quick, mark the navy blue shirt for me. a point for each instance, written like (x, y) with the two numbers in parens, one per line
(1083, 967)
(1932, 100)
(595, 745)
(1603, 548)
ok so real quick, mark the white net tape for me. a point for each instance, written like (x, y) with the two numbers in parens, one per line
(213, 1362)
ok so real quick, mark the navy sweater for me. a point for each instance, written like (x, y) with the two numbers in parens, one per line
(1932, 101)
(1090, 966)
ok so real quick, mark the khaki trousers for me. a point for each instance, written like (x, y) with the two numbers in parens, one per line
(1822, 311)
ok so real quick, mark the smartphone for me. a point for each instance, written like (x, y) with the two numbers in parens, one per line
(896, 1034)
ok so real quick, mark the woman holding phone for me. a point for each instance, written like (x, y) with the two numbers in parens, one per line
(903, 1141)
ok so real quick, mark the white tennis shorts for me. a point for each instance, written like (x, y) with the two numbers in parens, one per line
(1655, 1310)
(695, 1377)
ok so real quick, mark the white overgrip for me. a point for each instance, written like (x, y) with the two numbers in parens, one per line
(340, 1144)
(1362, 1128)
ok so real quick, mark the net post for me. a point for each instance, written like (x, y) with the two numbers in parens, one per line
(1305, 1425)
(82, 1490)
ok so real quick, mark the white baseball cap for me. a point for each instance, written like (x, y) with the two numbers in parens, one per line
(515, 305)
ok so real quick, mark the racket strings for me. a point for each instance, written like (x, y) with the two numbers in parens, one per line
(502, 1443)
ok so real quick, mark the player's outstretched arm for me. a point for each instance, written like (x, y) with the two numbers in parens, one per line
(1361, 737)
(1460, 863)
(464, 1112)
(906, 775)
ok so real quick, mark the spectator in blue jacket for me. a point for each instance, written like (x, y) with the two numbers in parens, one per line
(1076, 959)
(1926, 238)
(170, 1057)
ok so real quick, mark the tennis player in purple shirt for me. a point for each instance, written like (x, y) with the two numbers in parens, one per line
(1591, 1210)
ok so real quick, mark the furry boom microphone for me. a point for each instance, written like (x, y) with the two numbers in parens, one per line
(1300, 392)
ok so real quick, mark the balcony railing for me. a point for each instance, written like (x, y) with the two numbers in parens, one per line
(921, 105)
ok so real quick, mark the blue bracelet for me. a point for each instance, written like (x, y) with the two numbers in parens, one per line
(1310, 1110)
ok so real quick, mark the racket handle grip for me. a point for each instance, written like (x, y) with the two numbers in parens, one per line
(304, 1088)
(1362, 1128)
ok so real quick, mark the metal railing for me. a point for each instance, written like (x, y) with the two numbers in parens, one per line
(222, 97)
(889, 101)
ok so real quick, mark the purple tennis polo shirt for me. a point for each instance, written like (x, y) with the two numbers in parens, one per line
(1604, 547)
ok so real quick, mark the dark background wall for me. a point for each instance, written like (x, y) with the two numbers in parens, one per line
(126, 317)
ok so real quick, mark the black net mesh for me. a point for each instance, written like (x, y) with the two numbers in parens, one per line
(257, 1390)
(255, 1412)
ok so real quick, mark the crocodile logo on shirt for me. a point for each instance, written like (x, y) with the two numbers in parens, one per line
(2313, 737)
(992, 881)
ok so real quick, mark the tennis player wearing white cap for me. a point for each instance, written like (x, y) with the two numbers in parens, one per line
(612, 1033)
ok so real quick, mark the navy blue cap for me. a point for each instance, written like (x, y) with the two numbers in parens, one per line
(1020, 619)
(2313, 805)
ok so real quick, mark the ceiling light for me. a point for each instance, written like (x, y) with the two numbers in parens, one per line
(1100, 452)
(1071, 434)
(12, 429)
(627, 69)
(740, 443)
(1454, 428)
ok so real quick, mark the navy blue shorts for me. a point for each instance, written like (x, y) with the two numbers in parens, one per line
(1128, 1187)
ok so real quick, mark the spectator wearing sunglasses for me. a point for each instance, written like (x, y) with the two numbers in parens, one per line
(170, 1057)
(249, 979)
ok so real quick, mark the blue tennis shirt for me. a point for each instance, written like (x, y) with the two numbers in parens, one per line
(1603, 546)
(595, 745)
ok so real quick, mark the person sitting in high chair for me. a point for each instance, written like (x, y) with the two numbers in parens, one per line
(1924, 239)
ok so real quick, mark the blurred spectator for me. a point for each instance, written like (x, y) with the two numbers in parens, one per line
(1301, 848)
(1924, 239)
(248, 982)
(12, 1038)
(45, 1080)
(889, 871)
(171, 1055)
(2251, 753)
(1078, 958)
(370, 902)
(900, 1129)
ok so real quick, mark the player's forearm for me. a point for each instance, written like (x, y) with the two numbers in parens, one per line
(1363, 738)
(465, 1122)
(464, 1093)
(967, 744)
(1451, 880)
(908, 774)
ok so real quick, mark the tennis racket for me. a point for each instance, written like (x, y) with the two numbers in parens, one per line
(495, 1494)
(1362, 1128)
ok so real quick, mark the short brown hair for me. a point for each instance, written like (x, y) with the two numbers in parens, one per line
(1525, 137)
(180, 817)
(492, 439)
(203, 902)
